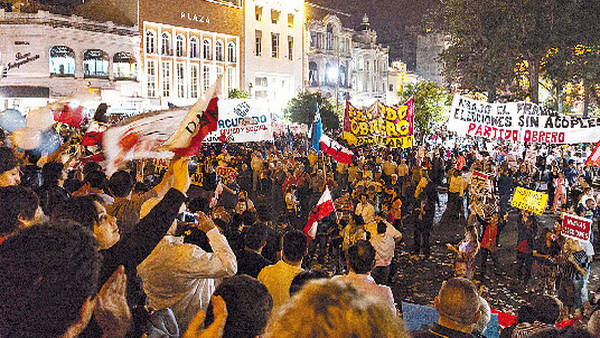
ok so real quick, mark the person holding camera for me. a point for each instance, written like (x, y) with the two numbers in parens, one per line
(182, 276)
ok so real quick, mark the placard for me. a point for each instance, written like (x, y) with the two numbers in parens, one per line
(576, 227)
(529, 200)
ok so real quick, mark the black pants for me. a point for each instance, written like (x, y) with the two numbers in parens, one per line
(524, 262)
(422, 231)
(381, 274)
(484, 253)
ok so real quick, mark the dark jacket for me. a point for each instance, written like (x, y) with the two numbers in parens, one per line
(133, 248)
(250, 263)
(438, 331)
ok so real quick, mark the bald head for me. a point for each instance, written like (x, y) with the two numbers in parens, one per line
(458, 301)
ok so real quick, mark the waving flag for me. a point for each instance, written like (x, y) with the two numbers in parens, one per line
(339, 152)
(316, 130)
(594, 159)
(198, 122)
(323, 209)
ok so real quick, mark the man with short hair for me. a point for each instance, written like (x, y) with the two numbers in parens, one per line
(126, 206)
(248, 304)
(250, 259)
(48, 290)
(458, 310)
(365, 209)
(278, 277)
(384, 240)
(547, 312)
(361, 259)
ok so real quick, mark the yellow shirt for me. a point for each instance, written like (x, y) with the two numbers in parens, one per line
(456, 185)
(312, 158)
(278, 278)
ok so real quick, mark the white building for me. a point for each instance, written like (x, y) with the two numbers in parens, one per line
(346, 61)
(398, 78)
(46, 56)
(273, 50)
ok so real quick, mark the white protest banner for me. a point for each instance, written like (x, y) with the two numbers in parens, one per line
(140, 137)
(520, 122)
(576, 227)
(242, 121)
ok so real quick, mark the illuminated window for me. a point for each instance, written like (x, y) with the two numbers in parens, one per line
(231, 52)
(258, 12)
(62, 61)
(151, 71)
(275, 45)
(194, 80)
(95, 63)
(291, 20)
(180, 72)
(290, 48)
(124, 66)
(275, 16)
(193, 47)
(230, 79)
(165, 44)
(180, 46)
(150, 42)
(166, 78)
(206, 78)
(206, 54)
(258, 35)
(219, 51)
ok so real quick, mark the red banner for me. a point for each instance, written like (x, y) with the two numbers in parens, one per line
(576, 227)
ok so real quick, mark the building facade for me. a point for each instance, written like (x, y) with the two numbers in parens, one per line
(274, 38)
(45, 56)
(346, 63)
(187, 45)
(398, 77)
(429, 48)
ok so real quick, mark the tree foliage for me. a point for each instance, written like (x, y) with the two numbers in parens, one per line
(238, 94)
(512, 46)
(302, 108)
(431, 103)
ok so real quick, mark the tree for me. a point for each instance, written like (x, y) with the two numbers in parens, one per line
(302, 108)
(431, 103)
(238, 94)
(481, 54)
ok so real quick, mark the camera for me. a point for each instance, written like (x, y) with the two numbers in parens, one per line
(188, 217)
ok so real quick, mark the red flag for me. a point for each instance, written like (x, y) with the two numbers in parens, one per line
(323, 209)
(594, 159)
(198, 122)
(71, 115)
(339, 153)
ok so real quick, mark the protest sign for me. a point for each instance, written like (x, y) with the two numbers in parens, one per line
(521, 122)
(479, 183)
(594, 159)
(529, 200)
(226, 172)
(417, 317)
(242, 121)
(380, 125)
(576, 227)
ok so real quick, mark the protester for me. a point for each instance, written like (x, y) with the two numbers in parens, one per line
(458, 310)
(330, 308)
(278, 277)
(9, 168)
(250, 260)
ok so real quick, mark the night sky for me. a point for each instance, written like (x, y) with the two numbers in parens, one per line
(390, 18)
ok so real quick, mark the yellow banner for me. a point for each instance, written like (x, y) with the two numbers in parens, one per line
(529, 200)
(380, 125)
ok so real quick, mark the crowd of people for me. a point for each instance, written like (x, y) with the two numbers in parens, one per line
(214, 245)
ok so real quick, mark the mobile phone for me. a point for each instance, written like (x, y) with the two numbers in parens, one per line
(188, 217)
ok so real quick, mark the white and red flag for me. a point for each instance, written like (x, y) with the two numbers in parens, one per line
(198, 122)
(339, 152)
(594, 159)
(323, 209)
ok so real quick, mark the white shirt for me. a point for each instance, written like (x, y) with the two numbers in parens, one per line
(366, 284)
(384, 246)
(183, 276)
